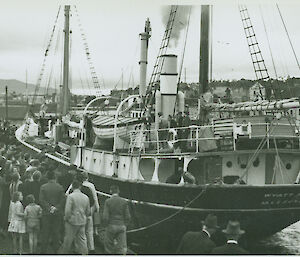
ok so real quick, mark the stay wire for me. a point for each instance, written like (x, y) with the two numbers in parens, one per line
(269, 45)
(287, 33)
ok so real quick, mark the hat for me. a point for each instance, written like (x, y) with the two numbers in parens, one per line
(85, 174)
(211, 221)
(233, 228)
(34, 162)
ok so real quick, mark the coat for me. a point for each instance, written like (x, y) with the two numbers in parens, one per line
(229, 248)
(195, 243)
(77, 208)
(116, 211)
(52, 194)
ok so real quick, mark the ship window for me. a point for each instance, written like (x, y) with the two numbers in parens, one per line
(256, 162)
(229, 164)
(124, 165)
(94, 160)
(288, 166)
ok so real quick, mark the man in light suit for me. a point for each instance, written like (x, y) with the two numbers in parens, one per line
(116, 217)
(233, 233)
(77, 211)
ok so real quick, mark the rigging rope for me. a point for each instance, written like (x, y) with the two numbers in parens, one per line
(87, 52)
(260, 146)
(269, 45)
(287, 33)
(183, 53)
(37, 87)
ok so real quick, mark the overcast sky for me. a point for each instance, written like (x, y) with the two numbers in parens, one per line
(112, 28)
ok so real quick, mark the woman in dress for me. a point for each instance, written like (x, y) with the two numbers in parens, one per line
(17, 221)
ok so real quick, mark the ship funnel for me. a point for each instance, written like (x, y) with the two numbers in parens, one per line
(168, 84)
(144, 57)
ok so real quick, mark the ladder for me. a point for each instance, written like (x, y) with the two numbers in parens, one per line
(163, 47)
(89, 60)
(258, 62)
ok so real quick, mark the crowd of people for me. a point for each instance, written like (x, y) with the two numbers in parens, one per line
(50, 209)
(211, 240)
(180, 121)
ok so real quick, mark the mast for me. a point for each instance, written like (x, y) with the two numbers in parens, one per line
(144, 57)
(6, 103)
(204, 49)
(65, 89)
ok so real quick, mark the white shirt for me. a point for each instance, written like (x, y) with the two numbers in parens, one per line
(232, 242)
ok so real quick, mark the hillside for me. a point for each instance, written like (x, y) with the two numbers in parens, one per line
(19, 87)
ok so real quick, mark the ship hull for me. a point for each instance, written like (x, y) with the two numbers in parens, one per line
(161, 213)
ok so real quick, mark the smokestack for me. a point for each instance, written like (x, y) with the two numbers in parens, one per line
(144, 57)
(168, 84)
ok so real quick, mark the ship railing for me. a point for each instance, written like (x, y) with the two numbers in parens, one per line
(213, 137)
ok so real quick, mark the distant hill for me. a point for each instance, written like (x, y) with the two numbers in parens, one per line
(19, 87)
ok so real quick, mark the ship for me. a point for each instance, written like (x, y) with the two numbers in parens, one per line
(244, 156)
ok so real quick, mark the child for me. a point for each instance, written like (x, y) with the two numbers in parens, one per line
(33, 213)
(17, 221)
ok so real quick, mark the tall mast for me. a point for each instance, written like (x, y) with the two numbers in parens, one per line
(65, 89)
(144, 57)
(204, 49)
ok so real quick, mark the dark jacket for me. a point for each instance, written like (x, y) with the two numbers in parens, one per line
(116, 211)
(229, 248)
(195, 243)
(52, 194)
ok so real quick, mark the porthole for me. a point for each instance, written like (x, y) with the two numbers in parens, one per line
(256, 162)
(124, 165)
(229, 164)
(288, 166)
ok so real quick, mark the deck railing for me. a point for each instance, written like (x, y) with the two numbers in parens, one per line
(216, 137)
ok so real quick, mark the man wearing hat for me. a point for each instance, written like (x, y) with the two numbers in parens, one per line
(199, 242)
(233, 233)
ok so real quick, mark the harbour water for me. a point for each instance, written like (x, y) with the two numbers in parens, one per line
(284, 242)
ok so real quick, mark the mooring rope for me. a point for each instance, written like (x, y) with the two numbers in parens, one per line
(171, 216)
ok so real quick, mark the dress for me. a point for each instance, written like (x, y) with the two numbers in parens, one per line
(17, 223)
(33, 212)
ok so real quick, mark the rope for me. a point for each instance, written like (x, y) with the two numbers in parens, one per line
(45, 57)
(269, 45)
(278, 160)
(286, 31)
(260, 146)
(185, 39)
(281, 164)
(171, 216)
(94, 75)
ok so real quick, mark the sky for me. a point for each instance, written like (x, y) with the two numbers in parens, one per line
(112, 28)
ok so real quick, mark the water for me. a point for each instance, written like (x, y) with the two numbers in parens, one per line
(286, 241)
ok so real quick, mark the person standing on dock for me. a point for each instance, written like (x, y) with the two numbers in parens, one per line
(199, 242)
(94, 209)
(77, 211)
(52, 199)
(116, 217)
(233, 233)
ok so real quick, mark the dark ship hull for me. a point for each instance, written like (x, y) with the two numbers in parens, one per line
(164, 212)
